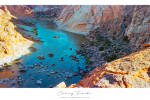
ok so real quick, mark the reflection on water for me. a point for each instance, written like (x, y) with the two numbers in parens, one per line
(60, 48)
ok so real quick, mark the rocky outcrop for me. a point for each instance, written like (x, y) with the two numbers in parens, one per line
(61, 85)
(12, 44)
(82, 18)
(139, 29)
(132, 71)
(131, 21)
(49, 11)
(20, 11)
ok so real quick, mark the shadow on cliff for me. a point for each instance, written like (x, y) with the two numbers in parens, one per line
(27, 30)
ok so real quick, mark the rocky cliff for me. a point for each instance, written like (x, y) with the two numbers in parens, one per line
(49, 11)
(132, 71)
(82, 18)
(20, 11)
(34, 11)
(12, 44)
(139, 29)
(131, 21)
(126, 23)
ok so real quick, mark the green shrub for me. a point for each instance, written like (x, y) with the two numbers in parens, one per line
(114, 38)
(55, 15)
(31, 22)
(104, 54)
(96, 31)
(91, 31)
(99, 38)
(88, 60)
(35, 29)
(92, 43)
(114, 33)
(121, 53)
(85, 55)
(101, 48)
(111, 58)
(36, 33)
(126, 39)
(106, 42)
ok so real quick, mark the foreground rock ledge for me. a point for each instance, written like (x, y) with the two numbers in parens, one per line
(131, 71)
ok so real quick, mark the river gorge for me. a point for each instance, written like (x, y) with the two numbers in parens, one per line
(61, 47)
(74, 46)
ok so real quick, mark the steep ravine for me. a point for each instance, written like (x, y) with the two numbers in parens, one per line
(117, 47)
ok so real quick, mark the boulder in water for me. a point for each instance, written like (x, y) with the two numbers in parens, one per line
(39, 82)
(23, 70)
(50, 55)
(56, 36)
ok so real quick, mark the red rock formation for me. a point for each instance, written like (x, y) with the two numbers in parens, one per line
(82, 19)
(20, 11)
(139, 29)
(12, 44)
(132, 71)
(46, 10)
(133, 21)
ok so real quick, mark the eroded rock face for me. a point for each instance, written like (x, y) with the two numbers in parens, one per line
(131, 21)
(48, 11)
(12, 43)
(82, 18)
(132, 71)
(139, 29)
(20, 11)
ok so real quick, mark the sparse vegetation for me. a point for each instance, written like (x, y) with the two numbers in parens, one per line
(111, 58)
(35, 29)
(126, 39)
(92, 43)
(114, 38)
(55, 15)
(85, 55)
(88, 60)
(31, 22)
(101, 48)
(114, 33)
(91, 31)
(104, 54)
(99, 38)
(106, 42)
(36, 33)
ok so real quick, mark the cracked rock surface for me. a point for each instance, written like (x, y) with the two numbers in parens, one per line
(131, 71)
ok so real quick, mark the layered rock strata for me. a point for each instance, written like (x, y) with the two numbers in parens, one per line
(12, 44)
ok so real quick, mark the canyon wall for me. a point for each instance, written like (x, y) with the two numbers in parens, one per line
(34, 11)
(46, 10)
(12, 44)
(139, 29)
(20, 11)
(132, 21)
(84, 18)
(131, 71)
